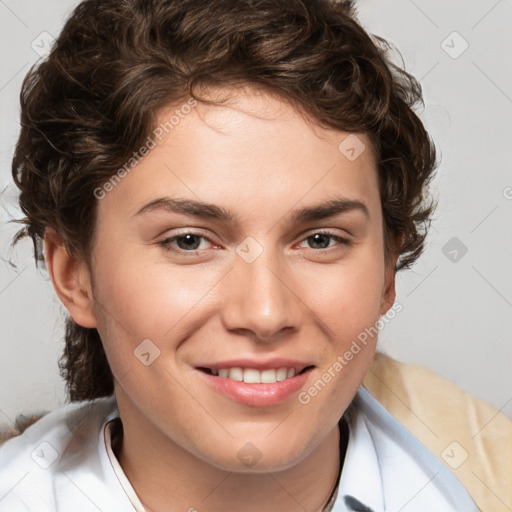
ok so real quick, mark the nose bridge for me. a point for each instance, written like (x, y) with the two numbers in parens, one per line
(258, 297)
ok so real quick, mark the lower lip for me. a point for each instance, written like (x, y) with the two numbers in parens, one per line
(256, 395)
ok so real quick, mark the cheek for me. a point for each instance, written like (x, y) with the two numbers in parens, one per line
(348, 296)
(347, 301)
(137, 298)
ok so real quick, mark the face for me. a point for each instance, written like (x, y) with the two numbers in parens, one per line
(244, 240)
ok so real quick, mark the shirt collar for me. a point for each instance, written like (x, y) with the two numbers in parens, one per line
(360, 479)
(114, 426)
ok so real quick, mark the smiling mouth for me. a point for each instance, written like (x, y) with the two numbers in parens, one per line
(254, 376)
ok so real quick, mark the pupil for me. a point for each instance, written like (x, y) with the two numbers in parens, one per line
(188, 242)
(322, 240)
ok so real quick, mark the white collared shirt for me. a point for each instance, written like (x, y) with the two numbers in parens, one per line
(64, 463)
(387, 468)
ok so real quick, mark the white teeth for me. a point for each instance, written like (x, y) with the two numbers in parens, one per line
(268, 376)
(236, 374)
(253, 376)
(281, 374)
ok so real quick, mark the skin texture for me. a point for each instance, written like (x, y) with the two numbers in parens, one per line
(261, 159)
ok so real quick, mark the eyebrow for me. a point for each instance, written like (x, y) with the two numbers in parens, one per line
(195, 208)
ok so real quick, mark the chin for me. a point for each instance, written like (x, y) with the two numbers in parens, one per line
(258, 456)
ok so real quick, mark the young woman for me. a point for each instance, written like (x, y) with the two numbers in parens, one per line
(222, 192)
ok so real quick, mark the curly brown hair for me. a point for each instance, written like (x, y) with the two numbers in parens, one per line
(96, 97)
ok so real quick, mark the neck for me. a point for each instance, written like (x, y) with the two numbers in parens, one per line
(162, 472)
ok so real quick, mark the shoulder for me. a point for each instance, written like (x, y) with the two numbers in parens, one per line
(34, 463)
(22, 422)
(472, 439)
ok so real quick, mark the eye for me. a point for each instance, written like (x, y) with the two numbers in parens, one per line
(186, 242)
(322, 240)
(191, 242)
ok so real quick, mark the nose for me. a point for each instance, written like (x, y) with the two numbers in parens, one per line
(261, 298)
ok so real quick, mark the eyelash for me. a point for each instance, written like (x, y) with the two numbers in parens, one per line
(166, 244)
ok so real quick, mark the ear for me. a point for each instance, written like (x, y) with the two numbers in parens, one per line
(71, 279)
(389, 291)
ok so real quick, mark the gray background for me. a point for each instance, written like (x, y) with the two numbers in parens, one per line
(457, 305)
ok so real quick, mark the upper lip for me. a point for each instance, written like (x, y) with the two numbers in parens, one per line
(269, 364)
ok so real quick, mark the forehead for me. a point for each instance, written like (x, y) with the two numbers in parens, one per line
(249, 115)
(253, 152)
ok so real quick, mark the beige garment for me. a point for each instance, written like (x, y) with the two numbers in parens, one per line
(472, 438)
